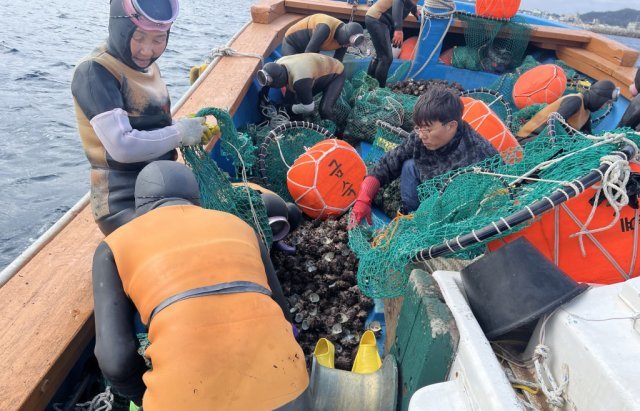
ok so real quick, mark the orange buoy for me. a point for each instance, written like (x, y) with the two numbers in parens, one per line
(609, 257)
(446, 57)
(325, 180)
(541, 84)
(406, 51)
(482, 119)
(499, 9)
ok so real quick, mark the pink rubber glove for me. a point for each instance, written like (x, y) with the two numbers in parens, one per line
(362, 207)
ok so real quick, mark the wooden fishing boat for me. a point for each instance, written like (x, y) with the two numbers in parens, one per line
(47, 308)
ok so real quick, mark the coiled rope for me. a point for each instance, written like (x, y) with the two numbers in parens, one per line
(449, 8)
(226, 51)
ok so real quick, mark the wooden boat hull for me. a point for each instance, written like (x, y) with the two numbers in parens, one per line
(47, 307)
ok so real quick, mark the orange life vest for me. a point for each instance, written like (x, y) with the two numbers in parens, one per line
(231, 351)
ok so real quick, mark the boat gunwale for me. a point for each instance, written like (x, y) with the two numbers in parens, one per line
(39, 393)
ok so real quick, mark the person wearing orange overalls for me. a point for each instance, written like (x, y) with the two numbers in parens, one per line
(203, 283)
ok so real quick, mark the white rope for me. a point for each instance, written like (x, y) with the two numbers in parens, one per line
(556, 393)
(245, 185)
(625, 275)
(226, 51)
(399, 113)
(450, 9)
(607, 138)
(613, 186)
(277, 141)
(101, 402)
(530, 211)
(276, 117)
(478, 170)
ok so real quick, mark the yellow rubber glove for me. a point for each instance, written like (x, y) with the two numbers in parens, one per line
(211, 132)
(196, 71)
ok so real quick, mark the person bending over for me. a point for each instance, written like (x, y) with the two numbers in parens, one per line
(576, 109)
(382, 19)
(440, 142)
(204, 285)
(303, 76)
(320, 32)
(123, 109)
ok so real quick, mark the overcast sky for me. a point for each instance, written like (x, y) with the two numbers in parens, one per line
(584, 6)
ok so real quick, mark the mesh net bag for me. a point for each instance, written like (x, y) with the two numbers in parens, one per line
(496, 46)
(281, 147)
(377, 104)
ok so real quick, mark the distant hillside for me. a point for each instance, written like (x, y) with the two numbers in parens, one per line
(613, 18)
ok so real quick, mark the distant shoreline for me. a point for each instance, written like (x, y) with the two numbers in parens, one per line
(616, 31)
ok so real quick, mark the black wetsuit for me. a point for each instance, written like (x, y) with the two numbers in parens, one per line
(313, 34)
(631, 116)
(105, 80)
(382, 19)
(121, 271)
(312, 73)
(571, 107)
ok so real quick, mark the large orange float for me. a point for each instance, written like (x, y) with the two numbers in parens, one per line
(406, 51)
(482, 119)
(542, 84)
(325, 180)
(609, 257)
(499, 9)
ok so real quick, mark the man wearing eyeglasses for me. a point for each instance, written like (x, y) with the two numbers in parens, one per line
(440, 142)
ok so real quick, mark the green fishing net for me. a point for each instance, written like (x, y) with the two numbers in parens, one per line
(280, 154)
(371, 103)
(216, 190)
(468, 199)
(495, 46)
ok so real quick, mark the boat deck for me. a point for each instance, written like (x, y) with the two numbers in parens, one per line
(47, 308)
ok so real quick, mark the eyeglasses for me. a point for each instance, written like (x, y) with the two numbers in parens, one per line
(427, 129)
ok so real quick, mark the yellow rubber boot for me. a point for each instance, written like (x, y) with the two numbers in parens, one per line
(324, 353)
(367, 359)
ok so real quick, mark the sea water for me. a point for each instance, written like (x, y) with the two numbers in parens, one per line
(43, 169)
